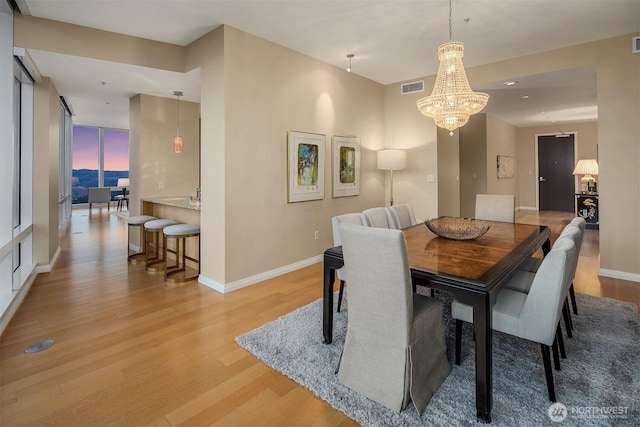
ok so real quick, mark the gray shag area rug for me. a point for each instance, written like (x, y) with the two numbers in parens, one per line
(599, 383)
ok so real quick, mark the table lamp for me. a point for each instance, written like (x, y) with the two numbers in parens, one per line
(124, 183)
(392, 160)
(587, 168)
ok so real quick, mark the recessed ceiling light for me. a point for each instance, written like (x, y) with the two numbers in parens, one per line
(543, 112)
(525, 96)
(510, 83)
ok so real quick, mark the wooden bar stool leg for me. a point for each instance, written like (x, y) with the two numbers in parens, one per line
(179, 272)
(138, 221)
(155, 249)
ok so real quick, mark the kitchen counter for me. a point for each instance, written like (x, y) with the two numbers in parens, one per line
(176, 208)
(177, 202)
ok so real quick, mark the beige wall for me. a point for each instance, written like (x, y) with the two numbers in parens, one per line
(473, 163)
(178, 173)
(208, 53)
(618, 86)
(501, 140)
(478, 143)
(406, 128)
(619, 157)
(46, 118)
(53, 36)
(448, 177)
(586, 137)
(270, 90)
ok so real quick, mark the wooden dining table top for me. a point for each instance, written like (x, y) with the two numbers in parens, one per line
(474, 260)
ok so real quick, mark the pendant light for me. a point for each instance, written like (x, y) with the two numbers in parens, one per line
(452, 100)
(350, 56)
(177, 140)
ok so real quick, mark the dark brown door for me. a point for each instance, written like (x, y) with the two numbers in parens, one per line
(555, 180)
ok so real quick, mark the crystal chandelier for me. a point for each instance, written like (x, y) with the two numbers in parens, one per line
(452, 100)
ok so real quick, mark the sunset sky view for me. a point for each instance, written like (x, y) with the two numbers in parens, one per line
(85, 148)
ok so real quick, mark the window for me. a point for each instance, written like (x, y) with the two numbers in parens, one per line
(100, 157)
(116, 156)
(16, 165)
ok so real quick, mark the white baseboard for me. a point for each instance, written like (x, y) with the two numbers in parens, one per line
(623, 275)
(46, 268)
(135, 248)
(16, 301)
(252, 280)
(527, 208)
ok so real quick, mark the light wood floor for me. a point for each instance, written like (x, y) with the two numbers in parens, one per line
(131, 350)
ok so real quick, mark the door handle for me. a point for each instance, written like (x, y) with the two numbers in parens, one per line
(541, 179)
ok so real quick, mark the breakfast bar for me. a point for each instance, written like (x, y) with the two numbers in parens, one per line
(186, 211)
(181, 209)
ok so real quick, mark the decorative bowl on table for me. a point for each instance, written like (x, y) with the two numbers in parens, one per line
(456, 228)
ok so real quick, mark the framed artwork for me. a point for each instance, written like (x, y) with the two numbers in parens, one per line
(505, 167)
(346, 166)
(306, 166)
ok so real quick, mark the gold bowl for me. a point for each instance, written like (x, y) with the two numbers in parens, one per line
(456, 228)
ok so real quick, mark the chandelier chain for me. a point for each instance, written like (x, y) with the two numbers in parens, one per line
(450, 32)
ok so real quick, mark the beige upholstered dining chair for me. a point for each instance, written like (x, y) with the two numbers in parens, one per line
(394, 349)
(350, 218)
(496, 207)
(533, 316)
(402, 215)
(379, 218)
(581, 223)
(523, 279)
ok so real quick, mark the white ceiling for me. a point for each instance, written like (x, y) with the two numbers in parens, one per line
(393, 40)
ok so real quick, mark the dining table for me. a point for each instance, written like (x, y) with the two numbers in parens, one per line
(473, 271)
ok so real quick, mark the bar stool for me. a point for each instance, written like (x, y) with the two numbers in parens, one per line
(154, 259)
(178, 273)
(137, 221)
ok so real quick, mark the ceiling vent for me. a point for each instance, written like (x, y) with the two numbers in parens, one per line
(635, 44)
(412, 87)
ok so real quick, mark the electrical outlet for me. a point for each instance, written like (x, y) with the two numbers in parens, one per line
(317, 235)
(161, 184)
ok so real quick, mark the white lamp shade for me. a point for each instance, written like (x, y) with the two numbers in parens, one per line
(586, 167)
(392, 159)
(123, 182)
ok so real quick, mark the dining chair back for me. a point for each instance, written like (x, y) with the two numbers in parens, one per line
(379, 218)
(496, 207)
(581, 224)
(394, 347)
(402, 215)
(350, 218)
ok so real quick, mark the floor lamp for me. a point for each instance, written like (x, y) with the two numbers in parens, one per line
(391, 160)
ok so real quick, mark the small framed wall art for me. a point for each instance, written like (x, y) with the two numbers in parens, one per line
(346, 166)
(306, 165)
(505, 166)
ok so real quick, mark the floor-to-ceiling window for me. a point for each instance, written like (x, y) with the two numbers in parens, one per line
(100, 158)
(16, 164)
